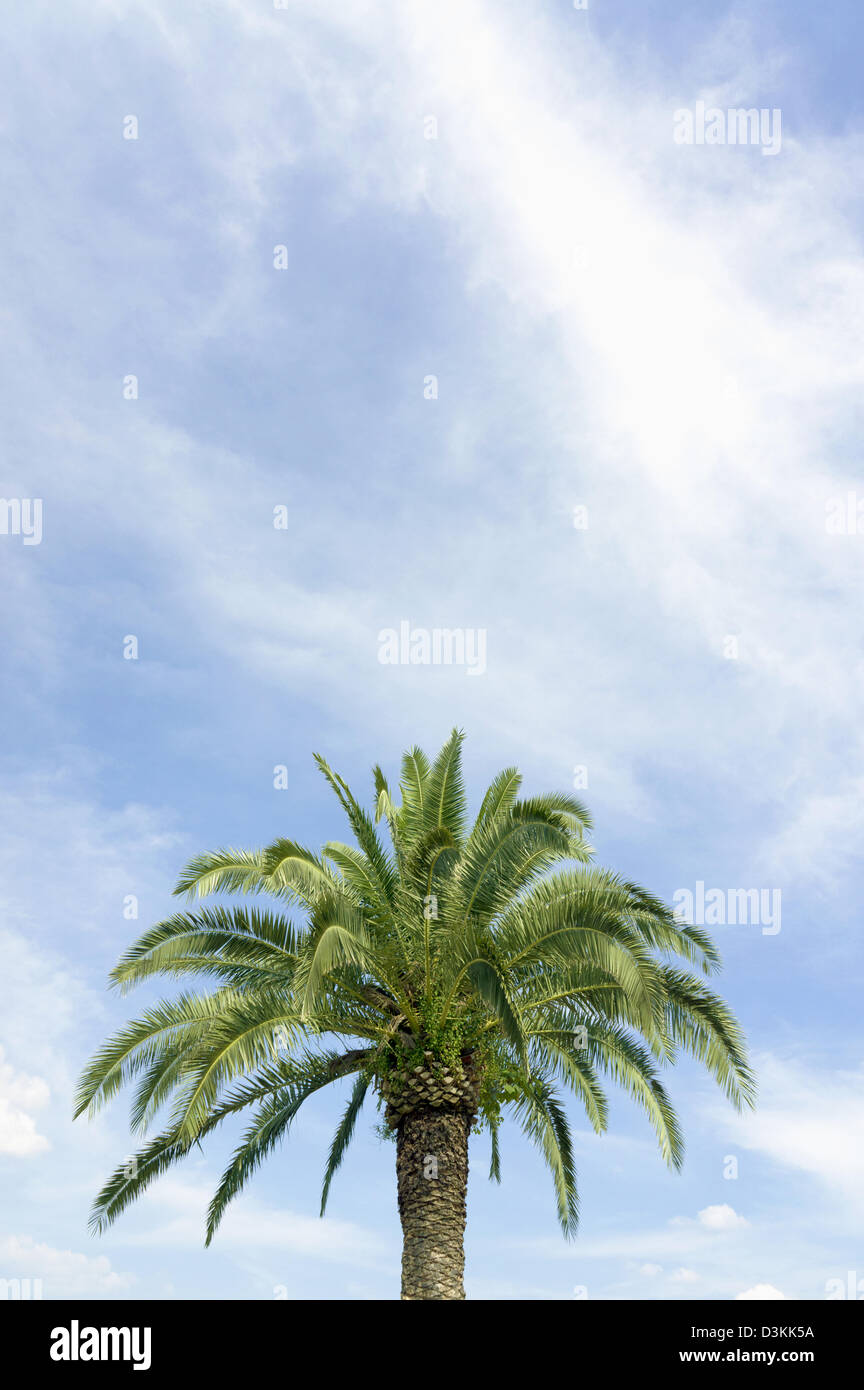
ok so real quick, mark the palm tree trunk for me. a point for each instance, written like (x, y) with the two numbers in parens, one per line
(432, 1178)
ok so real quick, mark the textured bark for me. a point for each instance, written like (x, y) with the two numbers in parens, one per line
(432, 1177)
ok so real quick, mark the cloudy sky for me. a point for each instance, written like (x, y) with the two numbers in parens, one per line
(432, 285)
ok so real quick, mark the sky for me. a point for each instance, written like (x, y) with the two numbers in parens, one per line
(322, 320)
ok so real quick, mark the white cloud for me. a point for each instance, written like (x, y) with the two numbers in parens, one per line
(20, 1094)
(809, 1119)
(41, 996)
(249, 1225)
(821, 837)
(717, 451)
(721, 1218)
(760, 1292)
(682, 1235)
(64, 1273)
(685, 1276)
(99, 855)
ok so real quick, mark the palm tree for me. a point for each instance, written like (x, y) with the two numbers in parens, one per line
(460, 972)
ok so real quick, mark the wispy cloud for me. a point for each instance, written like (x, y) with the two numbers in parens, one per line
(809, 1120)
(20, 1096)
(63, 1273)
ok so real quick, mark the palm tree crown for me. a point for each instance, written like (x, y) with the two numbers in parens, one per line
(459, 969)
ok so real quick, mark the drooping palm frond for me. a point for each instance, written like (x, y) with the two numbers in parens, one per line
(543, 1119)
(342, 1137)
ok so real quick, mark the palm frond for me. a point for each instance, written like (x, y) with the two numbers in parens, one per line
(413, 783)
(542, 1118)
(444, 798)
(342, 1137)
(500, 795)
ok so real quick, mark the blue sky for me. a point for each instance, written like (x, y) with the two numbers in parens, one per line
(666, 335)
